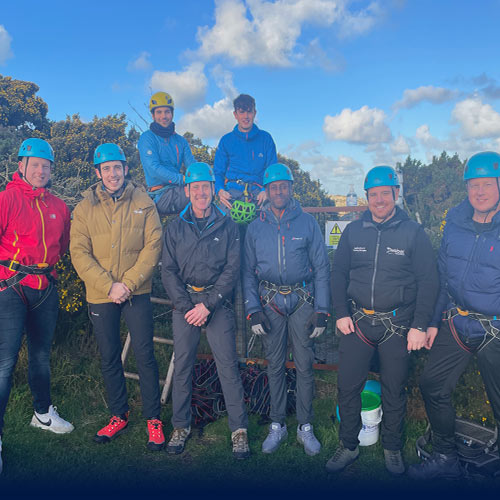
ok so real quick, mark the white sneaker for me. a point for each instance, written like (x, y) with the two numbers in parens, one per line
(51, 421)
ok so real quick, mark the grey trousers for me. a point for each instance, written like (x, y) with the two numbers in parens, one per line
(275, 345)
(221, 337)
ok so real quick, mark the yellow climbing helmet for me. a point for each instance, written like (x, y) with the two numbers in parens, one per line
(160, 99)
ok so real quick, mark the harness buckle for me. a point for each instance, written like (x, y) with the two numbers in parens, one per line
(462, 312)
(370, 312)
(198, 288)
(285, 289)
(12, 263)
(42, 265)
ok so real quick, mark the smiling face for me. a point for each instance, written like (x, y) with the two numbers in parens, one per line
(36, 171)
(200, 195)
(163, 116)
(245, 118)
(381, 202)
(112, 174)
(279, 194)
(483, 194)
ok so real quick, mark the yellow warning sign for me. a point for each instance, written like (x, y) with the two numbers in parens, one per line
(334, 231)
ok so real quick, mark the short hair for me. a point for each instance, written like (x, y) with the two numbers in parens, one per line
(245, 102)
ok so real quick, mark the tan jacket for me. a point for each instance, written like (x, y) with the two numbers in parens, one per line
(115, 241)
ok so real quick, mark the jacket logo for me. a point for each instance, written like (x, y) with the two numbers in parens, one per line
(359, 249)
(52, 216)
(395, 251)
(297, 238)
(216, 239)
(138, 211)
(260, 155)
(149, 152)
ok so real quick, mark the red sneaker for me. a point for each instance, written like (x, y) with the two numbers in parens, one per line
(156, 437)
(117, 425)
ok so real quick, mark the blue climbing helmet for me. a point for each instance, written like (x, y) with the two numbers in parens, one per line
(381, 176)
(108, 152)
(36, 147)
(199, 171)
(486, 164)
(277, 172)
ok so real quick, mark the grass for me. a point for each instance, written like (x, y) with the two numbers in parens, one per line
(73, 464)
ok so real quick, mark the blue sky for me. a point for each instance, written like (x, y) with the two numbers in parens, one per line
(341, 85)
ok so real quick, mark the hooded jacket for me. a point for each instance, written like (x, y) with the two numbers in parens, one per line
(115, 241)
(386, 266)
(243, 156)
(200, 258)
(34, 229)
(287, 251)
(163, 158)
(469, 268)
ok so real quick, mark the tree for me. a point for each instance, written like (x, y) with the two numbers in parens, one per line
(19, 106)
(10, 140)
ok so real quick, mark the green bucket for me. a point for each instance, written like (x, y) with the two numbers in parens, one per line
(370, 401)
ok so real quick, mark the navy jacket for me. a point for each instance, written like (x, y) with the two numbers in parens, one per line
(285, 252)
(243, 156)
(384, 267)
(200, 258)
(469, 267)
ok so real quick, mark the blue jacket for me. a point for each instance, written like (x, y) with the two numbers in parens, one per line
(285, 252)
(243, 156)
(469, 267)
(162, 158)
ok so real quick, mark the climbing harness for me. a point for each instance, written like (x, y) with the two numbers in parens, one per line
(22, 271)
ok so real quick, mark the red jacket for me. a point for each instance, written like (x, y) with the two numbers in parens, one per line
(34, 229)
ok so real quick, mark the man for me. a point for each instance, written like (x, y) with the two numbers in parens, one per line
(467, 311)
(163, 152)
(384, 285)
(240, 161)
(115, 246)
(287, 293)
(200, 265)
(34, 234)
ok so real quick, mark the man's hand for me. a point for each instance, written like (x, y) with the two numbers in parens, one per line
(416, 339)
(225, 198)
(197, 315)
(430, 336)
(345, 325)
(261, 198)
(118, 293)
(260, 323)
(317, 323)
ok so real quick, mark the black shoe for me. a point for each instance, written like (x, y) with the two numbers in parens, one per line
(437, 466)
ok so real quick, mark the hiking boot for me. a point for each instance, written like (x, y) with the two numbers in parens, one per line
(306, 437)
(178, 440)
(156, 437)
(51, 421)
(438, 465)
(342, 458)
(240, 444)
(394, 462)
(277, 433)
(117, 425)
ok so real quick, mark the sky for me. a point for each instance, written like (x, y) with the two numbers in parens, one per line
(341, 85)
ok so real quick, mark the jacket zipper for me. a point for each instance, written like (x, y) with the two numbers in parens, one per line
(43, 241)
(375, 270)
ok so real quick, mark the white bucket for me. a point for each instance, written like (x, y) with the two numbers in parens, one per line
(369, 433)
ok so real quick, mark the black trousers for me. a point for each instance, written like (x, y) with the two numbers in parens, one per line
(355, 356)
(446, 363)
(138, 315)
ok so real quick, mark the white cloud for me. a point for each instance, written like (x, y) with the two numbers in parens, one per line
(356, 23)
(477, 120)
(142, 63)
(187, 87)
(5, 40)
(260, 32)
(436, 95)
(210, 121)
(365, 126)
(400, 146)
(335, 174)
(224, 80)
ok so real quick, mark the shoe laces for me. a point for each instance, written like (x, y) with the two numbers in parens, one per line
(339, 452)
(155, 427)
(275, 431)
(394, 457)
(115, 420)
(179, 435)
(240, 441)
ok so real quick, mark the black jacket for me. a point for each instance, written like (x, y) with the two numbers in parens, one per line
(386, 266)
(200, 258)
